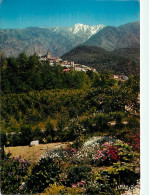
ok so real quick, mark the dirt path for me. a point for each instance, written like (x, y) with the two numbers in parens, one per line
(34, 153)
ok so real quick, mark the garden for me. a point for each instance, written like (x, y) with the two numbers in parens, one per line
(94, 165)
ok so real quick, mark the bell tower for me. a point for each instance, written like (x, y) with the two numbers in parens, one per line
(48, 54)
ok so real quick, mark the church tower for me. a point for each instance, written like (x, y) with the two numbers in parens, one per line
(48, 54)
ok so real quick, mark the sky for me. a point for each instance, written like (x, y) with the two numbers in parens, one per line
(47, 13)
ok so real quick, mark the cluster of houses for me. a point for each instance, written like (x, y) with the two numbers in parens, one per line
(64, 63)
(71, 65)
(120, 77)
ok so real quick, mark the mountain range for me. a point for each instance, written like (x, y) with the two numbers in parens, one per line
(110, 38)
(60, 40)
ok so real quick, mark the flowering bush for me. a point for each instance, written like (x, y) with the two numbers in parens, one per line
(77, 174)
(46, 172)
(14, 171)
(133, 139)
(107, 155)
(97, 151)
(53, 189)
(125, 151)
(112, 153)
(102, 188)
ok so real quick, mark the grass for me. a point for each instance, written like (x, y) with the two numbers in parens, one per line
(34, 153)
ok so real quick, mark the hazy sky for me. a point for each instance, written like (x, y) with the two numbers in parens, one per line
(46, 13)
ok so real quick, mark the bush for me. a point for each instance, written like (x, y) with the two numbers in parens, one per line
(133, 122)
(44, 173)
(38, 134)
(3, 142)
(26, 135)
(77, 174)
(56, 189)
(103, 150)
(14, 140)
(49, 131)
(118, 174)
(13, 173)
(103, 188)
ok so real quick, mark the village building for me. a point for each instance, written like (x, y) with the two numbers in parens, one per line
(64, 63)
(120, 77)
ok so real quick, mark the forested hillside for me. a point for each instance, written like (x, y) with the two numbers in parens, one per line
(121, 61)
(23, 74)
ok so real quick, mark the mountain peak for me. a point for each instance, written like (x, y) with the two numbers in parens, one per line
(86, 29)
(79, 24)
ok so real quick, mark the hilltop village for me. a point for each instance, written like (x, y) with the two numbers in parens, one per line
(68, 65)
(64, 63)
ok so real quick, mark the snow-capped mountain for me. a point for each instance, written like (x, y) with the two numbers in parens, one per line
(80, 30)
(86, 29)
(58, 39)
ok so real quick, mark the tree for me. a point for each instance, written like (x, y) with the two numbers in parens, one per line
(49, 130)
(26, 135)
(3, 143)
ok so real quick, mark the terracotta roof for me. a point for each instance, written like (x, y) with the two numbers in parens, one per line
(66, 70)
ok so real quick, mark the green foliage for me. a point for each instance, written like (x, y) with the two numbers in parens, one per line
(23, 74)
(133, 122)
(26, 135)
(77, 174)
(131, 91)
(125, 151)
(101, 188)
(103, 60)
(25, 107)
(118, 174)
(49, 131)
(13, 173)
(38, 134)
(44, 173)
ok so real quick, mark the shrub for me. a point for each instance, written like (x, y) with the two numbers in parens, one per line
(14, 140)
(3, 142)
(26, 135)
(133, 139)
(118, 174)
(49, 131)
(125, 151)
(13, 172)
(53, 189)
(133, 122)
(101, 189)
(77, 174)
(44, 173)
(38, 134)
(104, 151)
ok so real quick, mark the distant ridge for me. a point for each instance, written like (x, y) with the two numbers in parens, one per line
(111, 38)
(61, 39)
(58, 40)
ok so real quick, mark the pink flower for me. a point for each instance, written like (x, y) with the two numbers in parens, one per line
(99, 154)
(73, 150)
(67, 147)
(73, 186)
(80, 184)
